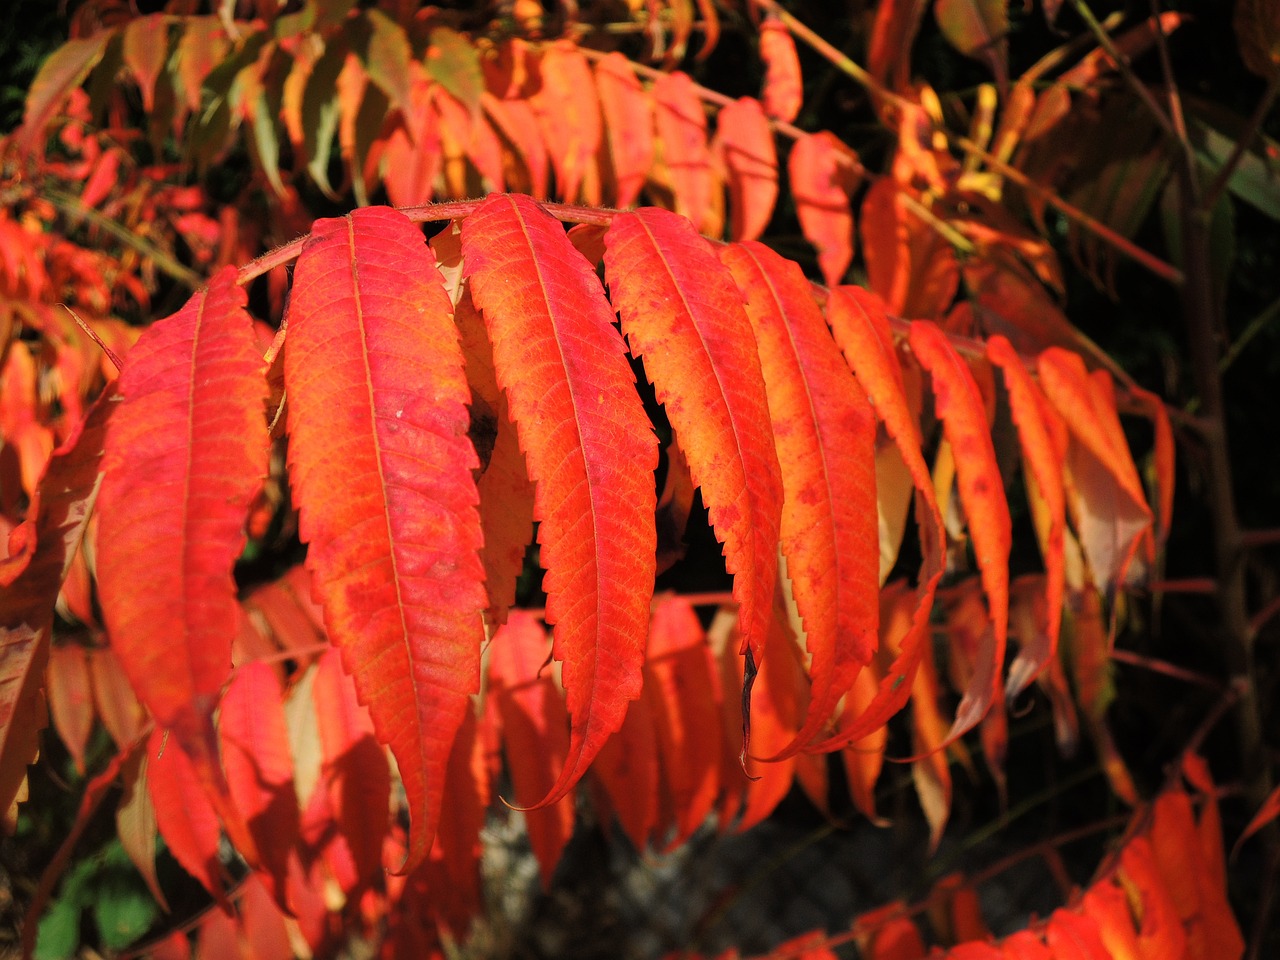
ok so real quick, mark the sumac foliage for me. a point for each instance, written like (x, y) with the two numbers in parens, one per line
(264, 576)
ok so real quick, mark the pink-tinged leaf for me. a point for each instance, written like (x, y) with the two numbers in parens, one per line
(824, 173)
(744, 140)
(1112, 513)
(70, 698)
(589, 449)
(568, 111)
(678, 676)
(186, 819)
(783, 89)
(185, 454)
(860, 326)
(145, 47)
(682, 131)
(535, 734)
(824, 431)
(628, 116)
(63, 71)
(682, 313)
(959, 406)
(259, 766)
(354, 772)
(380, 465)
(1042, 468)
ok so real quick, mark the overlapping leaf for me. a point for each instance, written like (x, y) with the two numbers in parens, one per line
(682, 313)
(381, 470)
(589, 450)
(824, 432)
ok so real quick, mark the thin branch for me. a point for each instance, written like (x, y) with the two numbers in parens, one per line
(1259, 619)
(1167, 669)
(1260, 538)
(1172, 94)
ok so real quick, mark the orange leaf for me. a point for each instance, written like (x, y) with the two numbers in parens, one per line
(372, 358)
(1160, 932)
(627, 769)
(569, 113)
(908, 263)
(678, 677)
(682, 313)
(1072, 936)
(861, 329)
(628, 117)
(825, 434)
(185, 818)
(745, 141)
(1042, 468)
(589, 449)
(145, 48)
(1107, 906)
(824, 173)
(535, 735)
(682, 130)
(964, 419)
(783, 89)
(1024, 945)
(886, 933)
(889, 52)
(1112, 512)
(70, 698)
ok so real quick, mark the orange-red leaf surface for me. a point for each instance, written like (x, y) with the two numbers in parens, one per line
(1042, 467)
(744, 140)
(628, 116)
(627, 768)
(823, 174)
(682, 313)
(185, 818)
(145, 48)
(1073, 936)
(569, 114)
(959, 406)
(1163, 454)
(70, 698)
(589, 448)
(682, 130)
(185, 455)
(1112, 509)
(783, 89)
(381, 470)
(824, 432)
(860, 326)
(534, 733)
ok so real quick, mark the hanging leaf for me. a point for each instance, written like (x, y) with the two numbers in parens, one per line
(681, 127)
(589, 450)
(145, 46)
(783, 89)
(568, 113)
(825, 434)
(978, 29)
(682, 313)
(61, 73)
(628, 116)
(823, 174)
(452, 61)
(744, 140)
(372, 357)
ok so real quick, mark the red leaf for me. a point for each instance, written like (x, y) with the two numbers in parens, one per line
(627, 768)
(678, 677)
(1107, 906)
(413, 151)
(824, 173)
(185, 818)
(783, 89)
(682, 312)
(861, 329)
(372, 364)
(682, 131)
(1269, 811)
(535, 737)
(825, 434)
(964, 419)
(259, 765)
(1024, 945)
(896, 25)
(1042, 470)
(745, 141)
(569, 114)
(628, 116)
(589, 449)
(885, 933)
(908, 264)
(1074, 937)
(1160, 932)
(1112, 509)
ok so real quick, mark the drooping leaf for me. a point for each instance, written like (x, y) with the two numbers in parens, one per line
(627, 769)
(825, 434)
(145, 46)
(186, 819)
(70, 698)
(959, 406)
(861, 330)
(681, 127)
(824, 173)
(535, 734)
(783, 89)
(589, 451)
(1042, 468)
(628, 118)
(61, 73)
(744, 140)
(454, 63)
(978, 29)
(908, 264)
(682, 313)
(889, 52)
(136, 823)
(568, 112)
(381, 467)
